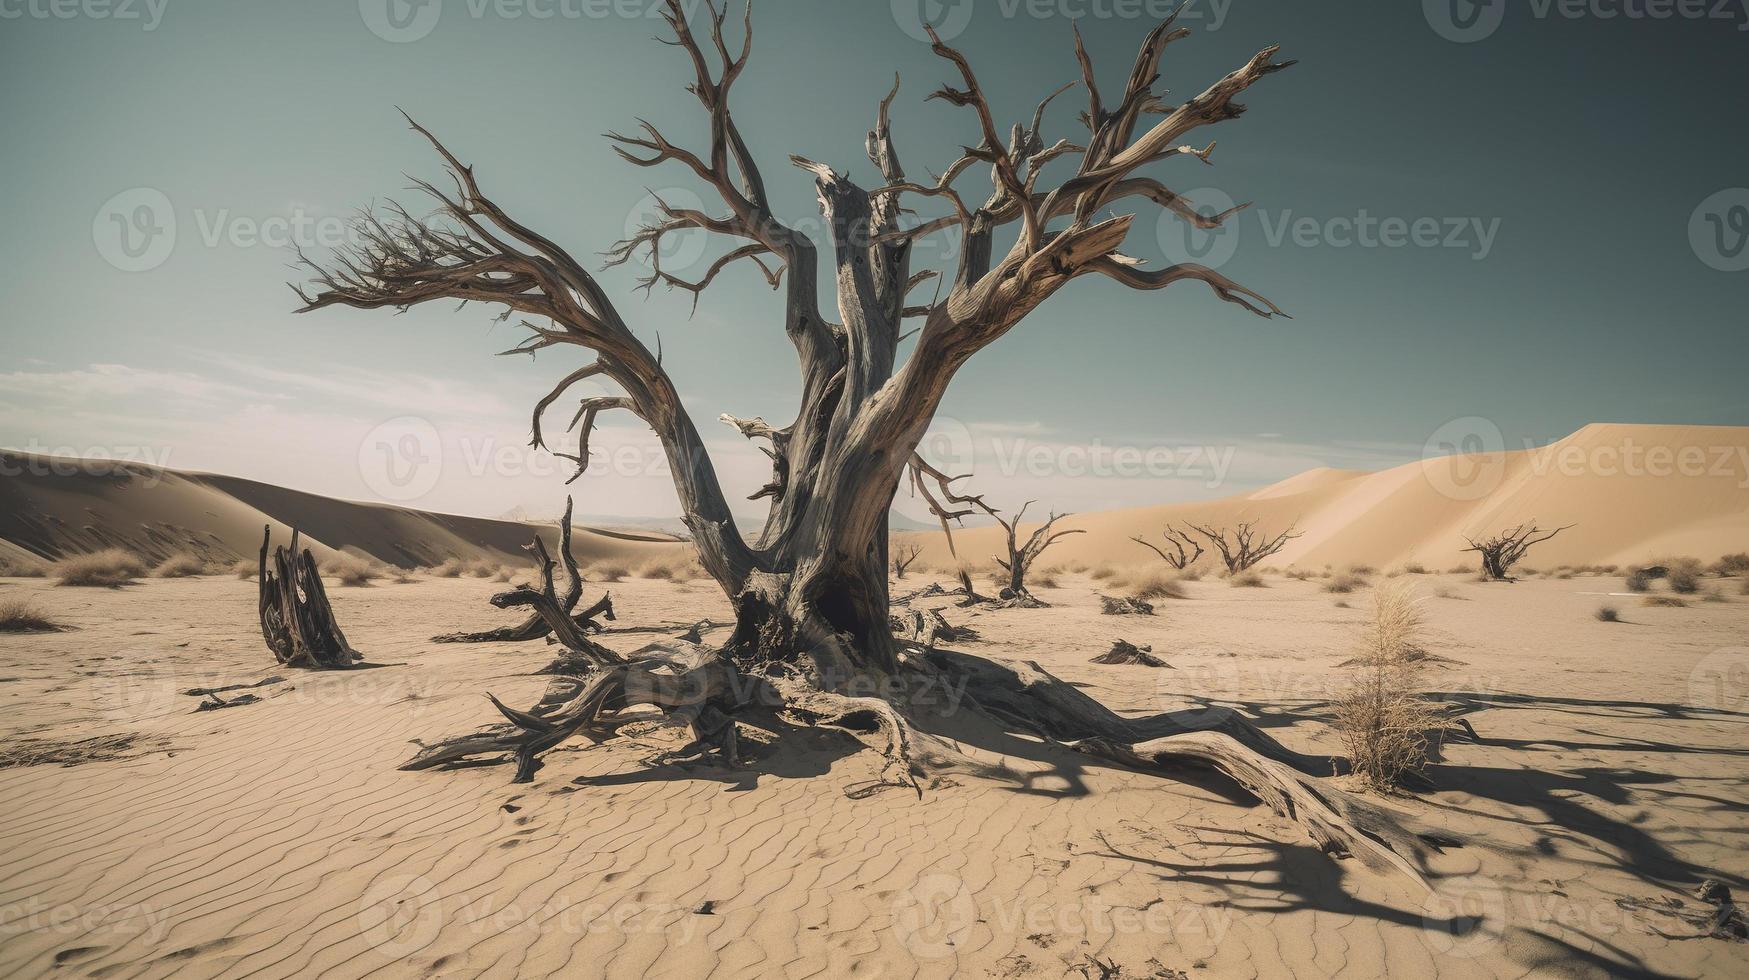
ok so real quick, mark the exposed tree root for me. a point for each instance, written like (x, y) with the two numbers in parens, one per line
(296, 620)
(703, 688)
(535, 626)
(928, 627)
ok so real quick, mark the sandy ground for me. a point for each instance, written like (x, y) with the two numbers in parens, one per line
(276, 838)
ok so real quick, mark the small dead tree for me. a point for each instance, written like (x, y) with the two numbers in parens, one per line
(1021, 556)
(1242, 547)
(1502, 551)
(903, 556)
(535, 627)
(1185, 549)
(296, 620)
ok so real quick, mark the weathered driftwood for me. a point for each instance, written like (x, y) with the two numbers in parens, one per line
(1125, 652)
(1502, 551)
(1128, 605)
(296, 620)
(534, 627)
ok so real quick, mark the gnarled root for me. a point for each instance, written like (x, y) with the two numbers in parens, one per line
(536, 626)
(684, 680)
(1029, 697)
(1125, 652)
(1338, 822)
(822, 709)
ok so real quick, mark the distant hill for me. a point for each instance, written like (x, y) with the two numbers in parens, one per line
(1633, 492)
(49, 510)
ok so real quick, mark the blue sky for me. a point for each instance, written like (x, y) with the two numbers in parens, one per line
(1514, 227)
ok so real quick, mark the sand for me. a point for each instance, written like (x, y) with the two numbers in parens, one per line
(275, 838)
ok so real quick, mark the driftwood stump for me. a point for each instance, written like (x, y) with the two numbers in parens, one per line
(296, 620)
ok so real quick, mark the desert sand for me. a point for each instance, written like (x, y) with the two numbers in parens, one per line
(143, 837)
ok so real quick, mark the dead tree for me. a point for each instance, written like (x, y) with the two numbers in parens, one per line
(1020, 555)
(1504, 550)
(1245, 548)
(296, 620)
(810, 588)
(903, 556)
(534, 627)
(1185, 549)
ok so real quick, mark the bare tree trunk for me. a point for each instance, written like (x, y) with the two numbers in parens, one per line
(296, 620)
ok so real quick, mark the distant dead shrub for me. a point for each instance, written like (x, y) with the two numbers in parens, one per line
(349, 570)
(1299, 574)
(1664, 600)
(1386, 725)
(1248, 579)
(182, 565)
(1416, 568)
(449, 568)
(1345, 583)
(608, 572)
(658, 568)
(1734, 564)
(17, 615)
(109, 568)
(245, 569)
(1046, 579)
(1608, 614)
(1638, 580)
(1683, 575)
(1102, 572)
(1461, 570)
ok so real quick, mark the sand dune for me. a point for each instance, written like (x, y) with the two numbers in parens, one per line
(48, 511)
(1633, 492)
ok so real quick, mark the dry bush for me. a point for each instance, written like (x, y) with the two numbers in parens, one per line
(17, 615)
(349, 570)
(1191, 574)
(1729, 565)
(1102, 572)
(1446, 592)
(608, 571)
(1683, 575)
(1713, 595)
(245, 569)
(183, 565)
(663, 569)
(449, 568)
(1664, 600)
(1155, 584)
(1416, 568)
(1637, 580)
(1387, 726)
(504, 573)
(1045, 579)
(22, 568)
(1608, 614)
(1299, 574)
(1248, 579)
(1362, 570)
(1345, 584)
(109, 569)
(1077, 568)
(1461, 570)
